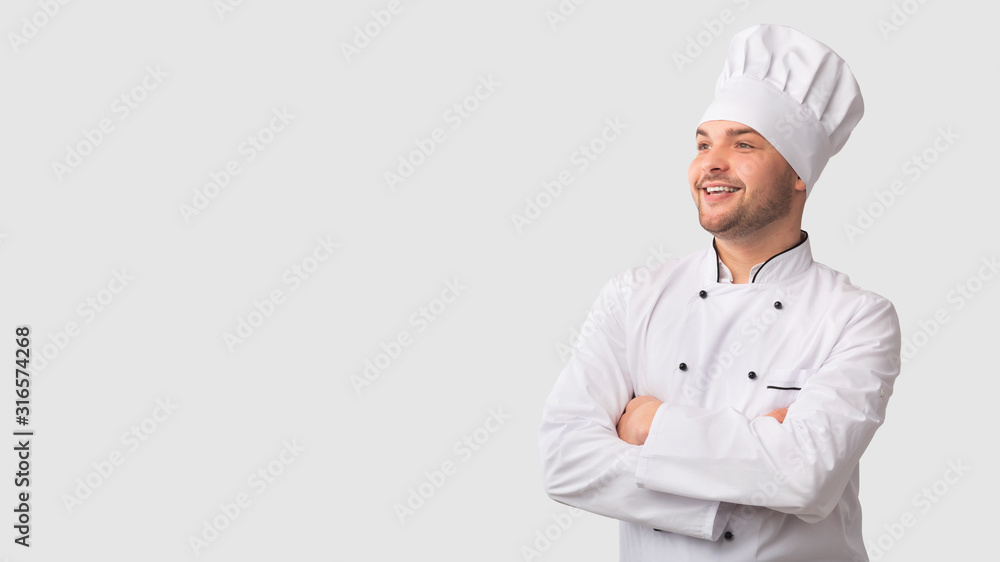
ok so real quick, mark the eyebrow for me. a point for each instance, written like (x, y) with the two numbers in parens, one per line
(730, 132)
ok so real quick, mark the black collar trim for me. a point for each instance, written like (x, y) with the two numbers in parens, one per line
(805, 236)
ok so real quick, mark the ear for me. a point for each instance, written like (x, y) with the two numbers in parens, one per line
(799, 184)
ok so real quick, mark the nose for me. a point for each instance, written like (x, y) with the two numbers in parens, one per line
(714, 161)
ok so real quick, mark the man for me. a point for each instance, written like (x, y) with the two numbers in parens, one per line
(721, 405)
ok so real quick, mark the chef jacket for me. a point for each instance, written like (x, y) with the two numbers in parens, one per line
(716, 479)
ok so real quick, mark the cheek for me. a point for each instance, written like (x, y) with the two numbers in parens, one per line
(694, 173)
(748, 170)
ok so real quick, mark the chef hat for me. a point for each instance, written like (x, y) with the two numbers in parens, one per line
(793, 90)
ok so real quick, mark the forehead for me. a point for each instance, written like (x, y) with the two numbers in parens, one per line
(713, 129)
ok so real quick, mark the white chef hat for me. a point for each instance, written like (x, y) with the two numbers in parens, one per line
(793, 90)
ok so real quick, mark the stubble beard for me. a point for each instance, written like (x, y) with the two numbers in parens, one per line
(750, 216)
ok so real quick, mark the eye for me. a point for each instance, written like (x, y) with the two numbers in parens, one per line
(702, 145)
(743, 145)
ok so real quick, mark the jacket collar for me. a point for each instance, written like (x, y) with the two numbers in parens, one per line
(781, 266)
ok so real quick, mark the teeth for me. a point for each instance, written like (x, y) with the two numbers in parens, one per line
(717, 189)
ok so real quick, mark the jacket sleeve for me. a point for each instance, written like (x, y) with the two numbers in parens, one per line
(584, 463)
(800, 466)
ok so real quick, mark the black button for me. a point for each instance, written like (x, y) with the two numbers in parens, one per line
(728, 536)
(683, 366)
(777, 304)
(702, 294)
(752, 375)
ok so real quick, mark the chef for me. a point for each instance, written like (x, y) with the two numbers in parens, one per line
(721, 405)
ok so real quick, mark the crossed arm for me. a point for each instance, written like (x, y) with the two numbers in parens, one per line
(633, 427)
(682, 468)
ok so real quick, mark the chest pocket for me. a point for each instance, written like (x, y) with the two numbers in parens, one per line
(782, 386)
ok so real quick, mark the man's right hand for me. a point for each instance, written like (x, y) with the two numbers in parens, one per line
(633, 426)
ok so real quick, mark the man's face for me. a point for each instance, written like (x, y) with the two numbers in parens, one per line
(758, 187)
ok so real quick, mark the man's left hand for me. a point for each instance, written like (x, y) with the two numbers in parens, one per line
(633, 426)
(778, 414)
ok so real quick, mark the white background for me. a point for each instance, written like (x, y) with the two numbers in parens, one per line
(64, 235)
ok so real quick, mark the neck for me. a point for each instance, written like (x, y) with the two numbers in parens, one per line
(741, 255)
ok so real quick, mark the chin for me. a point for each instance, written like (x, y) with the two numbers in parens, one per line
(713, 224)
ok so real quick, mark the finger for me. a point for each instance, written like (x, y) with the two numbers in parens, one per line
(778, 414)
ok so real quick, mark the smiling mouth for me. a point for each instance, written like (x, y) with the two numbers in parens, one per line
(721, 189)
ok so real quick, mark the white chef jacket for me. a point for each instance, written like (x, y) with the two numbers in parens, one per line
(716, 479)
